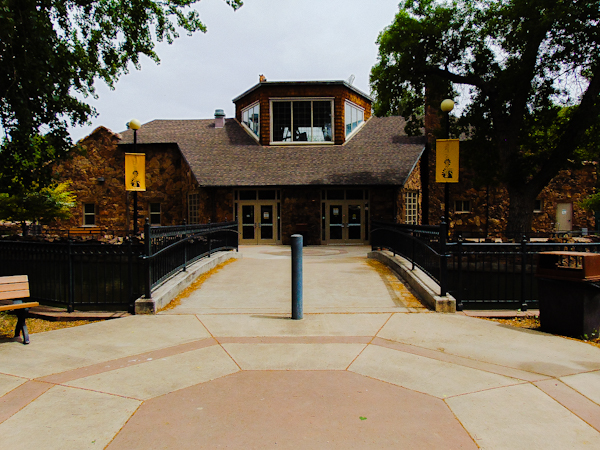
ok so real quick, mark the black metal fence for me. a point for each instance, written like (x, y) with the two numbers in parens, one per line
(77, 275)
(478, 275)
(171, 249)
(89, 275)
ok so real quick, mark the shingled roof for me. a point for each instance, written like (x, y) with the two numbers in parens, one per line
(379, 154)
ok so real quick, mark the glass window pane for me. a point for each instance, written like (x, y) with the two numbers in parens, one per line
(282, 122)
(248, 195)
(354, 194)
(254, 119)
(90, 208)
(348, 119)
(266, 195)
(302, 119)
(335, 194)
(321, 131)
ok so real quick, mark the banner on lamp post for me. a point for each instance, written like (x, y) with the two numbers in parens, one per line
(135, 172)
(446, 161)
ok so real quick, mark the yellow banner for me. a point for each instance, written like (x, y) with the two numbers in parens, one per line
(135, 172)
(446, 161)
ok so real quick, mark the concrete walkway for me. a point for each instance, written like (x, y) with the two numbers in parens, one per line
(214, 377)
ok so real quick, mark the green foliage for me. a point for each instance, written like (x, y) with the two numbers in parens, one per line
(40, 205)
(531, 70)
(51, 54)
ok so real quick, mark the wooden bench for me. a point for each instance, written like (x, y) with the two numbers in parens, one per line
(85, 231)
(15, 288)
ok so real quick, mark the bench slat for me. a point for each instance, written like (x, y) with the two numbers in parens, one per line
(8, 287)
(24, 293)
(18, 306)
(14, 279)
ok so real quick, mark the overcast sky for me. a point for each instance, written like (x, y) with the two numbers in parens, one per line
(286, 40)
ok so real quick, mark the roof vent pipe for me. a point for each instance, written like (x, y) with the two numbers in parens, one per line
(219, 118)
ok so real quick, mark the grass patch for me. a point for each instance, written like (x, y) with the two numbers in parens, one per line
(8, 322)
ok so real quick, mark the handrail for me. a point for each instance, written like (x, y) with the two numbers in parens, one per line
(184, 240)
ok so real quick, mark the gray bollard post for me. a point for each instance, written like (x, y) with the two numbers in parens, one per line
(296, 276)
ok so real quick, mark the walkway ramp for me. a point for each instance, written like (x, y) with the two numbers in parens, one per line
(336, 279)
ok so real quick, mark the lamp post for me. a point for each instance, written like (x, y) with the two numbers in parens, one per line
(135, 125)
(447, 106)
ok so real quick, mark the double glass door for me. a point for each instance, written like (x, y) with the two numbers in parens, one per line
(258, 223)
(344, 222)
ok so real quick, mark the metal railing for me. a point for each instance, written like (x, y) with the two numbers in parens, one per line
(500, 275)
(77, 275)
(478, 275)
(169, 250)
(423, 246)
(89, 275)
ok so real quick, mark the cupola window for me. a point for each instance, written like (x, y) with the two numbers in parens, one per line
(354, 117)
(250, 118)
(301, 121)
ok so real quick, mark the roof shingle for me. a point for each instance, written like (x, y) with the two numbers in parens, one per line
(379, 154)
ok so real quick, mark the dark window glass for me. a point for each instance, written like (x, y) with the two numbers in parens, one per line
(154, 213)
(266, 195)
(335, 194)
(282, 122)
(89, 214)
(302, 130)
(248, 195)
(321, 121)
(354, 194)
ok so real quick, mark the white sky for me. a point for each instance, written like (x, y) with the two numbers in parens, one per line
(286, 40)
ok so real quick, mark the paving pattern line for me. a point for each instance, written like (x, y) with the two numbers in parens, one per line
(575, 401)
(460, 360)
(218, 342)
(370, 342)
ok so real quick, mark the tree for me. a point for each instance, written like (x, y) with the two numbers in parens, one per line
(523, 61)
(51, 54)
(38, 205)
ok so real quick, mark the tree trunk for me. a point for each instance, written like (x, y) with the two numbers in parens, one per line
(25, 229)
(520, 211)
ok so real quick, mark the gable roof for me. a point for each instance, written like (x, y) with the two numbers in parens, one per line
(378, 154)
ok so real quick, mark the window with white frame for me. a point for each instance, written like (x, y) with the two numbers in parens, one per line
(412, 208)
(155, 214)
(462, 206)
(537, 206)
(301, 120)
(250, 118)
(354, 116)
(194, 208)
(89, 214)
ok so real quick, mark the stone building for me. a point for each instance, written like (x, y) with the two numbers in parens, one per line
(299, 157)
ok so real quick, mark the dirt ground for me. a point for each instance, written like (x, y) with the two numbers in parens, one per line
(533, 323)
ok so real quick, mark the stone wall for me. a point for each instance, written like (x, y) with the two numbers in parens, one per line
(413, 184)
(98, 177)
(383, 203)
(489, 205)
(301, 213)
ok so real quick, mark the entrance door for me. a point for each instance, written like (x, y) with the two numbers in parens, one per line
(344, 223)
(564, 216)
(258, 225)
